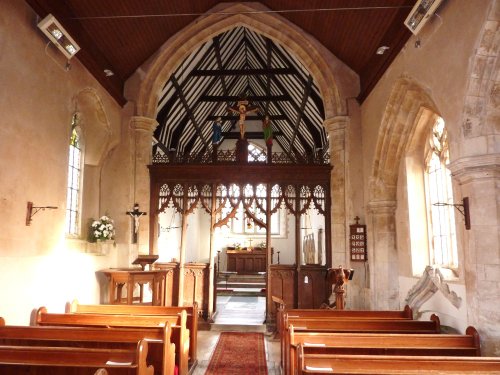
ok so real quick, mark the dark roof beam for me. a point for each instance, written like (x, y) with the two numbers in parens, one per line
(188, 110)
(300, 110)
(250, 98)
(241, 72)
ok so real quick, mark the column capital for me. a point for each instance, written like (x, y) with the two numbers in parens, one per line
(479, 167)
(336, 123)
(143, 123)
(382, 207)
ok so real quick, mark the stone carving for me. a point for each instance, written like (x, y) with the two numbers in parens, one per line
(431, 281)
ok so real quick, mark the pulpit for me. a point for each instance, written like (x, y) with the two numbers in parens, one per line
(120, 279)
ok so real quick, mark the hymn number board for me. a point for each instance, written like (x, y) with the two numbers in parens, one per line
(357, 241)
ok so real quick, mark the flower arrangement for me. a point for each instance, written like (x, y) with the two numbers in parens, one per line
(102, 229)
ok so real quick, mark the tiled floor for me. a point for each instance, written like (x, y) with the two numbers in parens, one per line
(237, 314)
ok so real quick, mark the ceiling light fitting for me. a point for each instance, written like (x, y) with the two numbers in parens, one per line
(420, 14)
(108, 73)
(381, 50)
(59, 36)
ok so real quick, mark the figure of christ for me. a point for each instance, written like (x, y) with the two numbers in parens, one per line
(242, 110)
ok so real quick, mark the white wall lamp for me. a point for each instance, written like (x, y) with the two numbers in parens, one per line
(420, 14)
(59, 36)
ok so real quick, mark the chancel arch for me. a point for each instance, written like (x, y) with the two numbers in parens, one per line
(318, 87)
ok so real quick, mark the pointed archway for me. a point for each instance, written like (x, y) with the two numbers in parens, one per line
(399, 124)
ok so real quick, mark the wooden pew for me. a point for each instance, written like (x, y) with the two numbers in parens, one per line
(319, 364)
(405, 314)
(191, 322)
(382, 344)
(39, 360)
(351, 325)
(161, 352)
(180, 334)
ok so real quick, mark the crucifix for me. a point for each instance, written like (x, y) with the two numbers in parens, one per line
(135, 214)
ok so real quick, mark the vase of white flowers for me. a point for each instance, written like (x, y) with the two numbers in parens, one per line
(102, 232)
(102, 229)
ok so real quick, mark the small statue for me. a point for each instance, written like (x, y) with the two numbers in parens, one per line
(217, 131)
(242, 110)
(268, 130)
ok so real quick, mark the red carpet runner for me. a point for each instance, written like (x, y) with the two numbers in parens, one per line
(238, 353)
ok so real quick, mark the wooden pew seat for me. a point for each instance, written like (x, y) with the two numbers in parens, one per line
(319, 364)
(180, 334)
(160, 355)
(191, 321)
(39, 360)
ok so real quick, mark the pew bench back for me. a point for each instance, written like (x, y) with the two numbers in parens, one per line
(319, 364)
(180, 334)
(61, 360)
(161, 352)
(191, 321)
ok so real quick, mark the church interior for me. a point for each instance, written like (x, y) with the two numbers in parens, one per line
(218, 165)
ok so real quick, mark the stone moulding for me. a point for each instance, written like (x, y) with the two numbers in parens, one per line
(432, 280)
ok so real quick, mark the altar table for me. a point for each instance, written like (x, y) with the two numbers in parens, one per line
(246, 261)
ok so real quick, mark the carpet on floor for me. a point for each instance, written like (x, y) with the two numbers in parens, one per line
(238, 353)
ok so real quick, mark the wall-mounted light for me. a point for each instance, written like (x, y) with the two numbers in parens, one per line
(32, 210)
(420, 14)
(59, 36)
(462, 208)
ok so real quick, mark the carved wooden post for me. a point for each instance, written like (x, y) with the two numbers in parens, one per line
(182, 256)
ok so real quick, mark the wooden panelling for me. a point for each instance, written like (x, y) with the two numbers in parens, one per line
(119, 35)
(196, 276)
(171, 282)
(283, 285)
(312, 288)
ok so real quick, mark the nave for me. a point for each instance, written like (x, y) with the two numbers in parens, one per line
(147, 340)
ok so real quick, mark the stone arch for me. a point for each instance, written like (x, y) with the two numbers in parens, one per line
(94, 124)
(481, 113)
(335, 80)
(399, 123)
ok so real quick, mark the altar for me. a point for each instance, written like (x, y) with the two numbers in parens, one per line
(246, 261)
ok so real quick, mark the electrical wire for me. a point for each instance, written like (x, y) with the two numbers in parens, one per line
(342, 9)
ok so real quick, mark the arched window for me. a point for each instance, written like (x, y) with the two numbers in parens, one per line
(74, 180)
(439, 194)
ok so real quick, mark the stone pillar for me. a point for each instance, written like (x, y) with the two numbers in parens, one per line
(383, 255)
(337, 134)
(142, 143)
(479, 179)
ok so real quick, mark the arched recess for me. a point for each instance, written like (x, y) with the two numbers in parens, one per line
(399, 124)
(396, 131)
(96, 129)
(144, 87)
(98, 140)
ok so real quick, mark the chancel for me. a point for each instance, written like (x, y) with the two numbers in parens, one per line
(300, 175)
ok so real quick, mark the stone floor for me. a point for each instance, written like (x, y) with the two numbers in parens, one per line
(241, 314)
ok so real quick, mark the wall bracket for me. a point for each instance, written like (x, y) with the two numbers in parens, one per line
(32, 210)
(462, 208)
